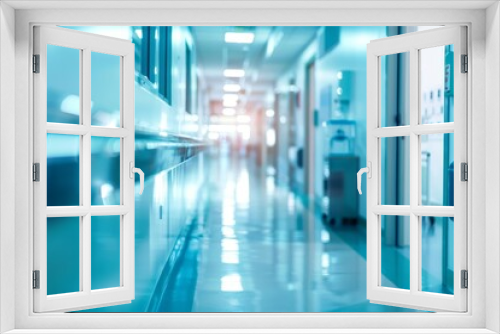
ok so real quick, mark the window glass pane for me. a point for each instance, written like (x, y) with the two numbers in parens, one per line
(395, 89)
(63, 170)
(437, 169)
(105, 248)
(106, 80)
(165, 77)
(436, 84)
(63, 255)
(154, 63)
(105, 171)
(395, 170)
(437, 254)
(63, 85)
(395, 250)
(139, 39)
(189, 85)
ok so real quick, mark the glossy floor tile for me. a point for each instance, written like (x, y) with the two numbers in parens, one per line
(258, 249)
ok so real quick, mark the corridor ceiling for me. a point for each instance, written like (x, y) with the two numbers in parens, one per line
(262, 66)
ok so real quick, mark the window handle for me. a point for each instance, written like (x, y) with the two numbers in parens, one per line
(368, 171)
(133, 170)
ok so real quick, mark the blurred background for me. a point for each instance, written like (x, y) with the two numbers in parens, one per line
(250, 139)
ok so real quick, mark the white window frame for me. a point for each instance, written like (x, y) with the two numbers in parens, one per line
(483, 50)
(413, 44)
(85, 43)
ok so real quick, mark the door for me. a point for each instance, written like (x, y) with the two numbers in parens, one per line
(83, 170)
(431, 155)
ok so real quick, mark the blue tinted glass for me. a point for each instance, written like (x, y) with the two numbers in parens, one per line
(63, 85)
(395, 245)
(395, 89)
(438, 169)
(154, 61)
(63, 255)
(105, 247)
(63, 170)
(437, 254)
(395, 170)
(105, 89)
(105, 171)
(436, 84)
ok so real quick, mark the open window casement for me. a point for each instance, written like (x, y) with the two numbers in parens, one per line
(81, 128)
(413, 130)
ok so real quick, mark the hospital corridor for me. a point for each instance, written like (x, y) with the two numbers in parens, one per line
(250, 139)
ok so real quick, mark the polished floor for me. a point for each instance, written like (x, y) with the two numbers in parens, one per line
(256, 248)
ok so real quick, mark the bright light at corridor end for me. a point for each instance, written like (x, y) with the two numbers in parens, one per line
(233, 73)
(270, 113)
(232, 88)
(229, 103)
(228, 111)
(239, 37)
(230, 97)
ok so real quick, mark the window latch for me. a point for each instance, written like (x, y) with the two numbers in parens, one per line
(133, 170)
(368, 171)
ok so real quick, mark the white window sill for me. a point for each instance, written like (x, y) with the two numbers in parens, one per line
(248, 331)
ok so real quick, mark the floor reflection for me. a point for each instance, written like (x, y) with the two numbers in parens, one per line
(259, 249)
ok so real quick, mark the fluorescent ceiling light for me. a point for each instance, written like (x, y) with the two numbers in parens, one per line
(230, 97)
(228, 111)
(233, 88)
(230, 103)
(239, 37)
(232, 73)
(270, 113)
(273, 41)
(138, 32)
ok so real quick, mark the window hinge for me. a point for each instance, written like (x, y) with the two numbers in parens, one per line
(465, 279)
(36, 172)
(464, 171)
(465, 64)
(36, 63)
(36, 279)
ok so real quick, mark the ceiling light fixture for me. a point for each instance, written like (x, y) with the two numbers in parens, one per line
(233, 73)
(239, 37)
(232, 88)
(138, 32)
(228, 111)
(229, 103)
(273, 41)
(230, 97)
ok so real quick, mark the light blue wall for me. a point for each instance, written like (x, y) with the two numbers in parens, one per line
(350, 55)
(167, 150)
